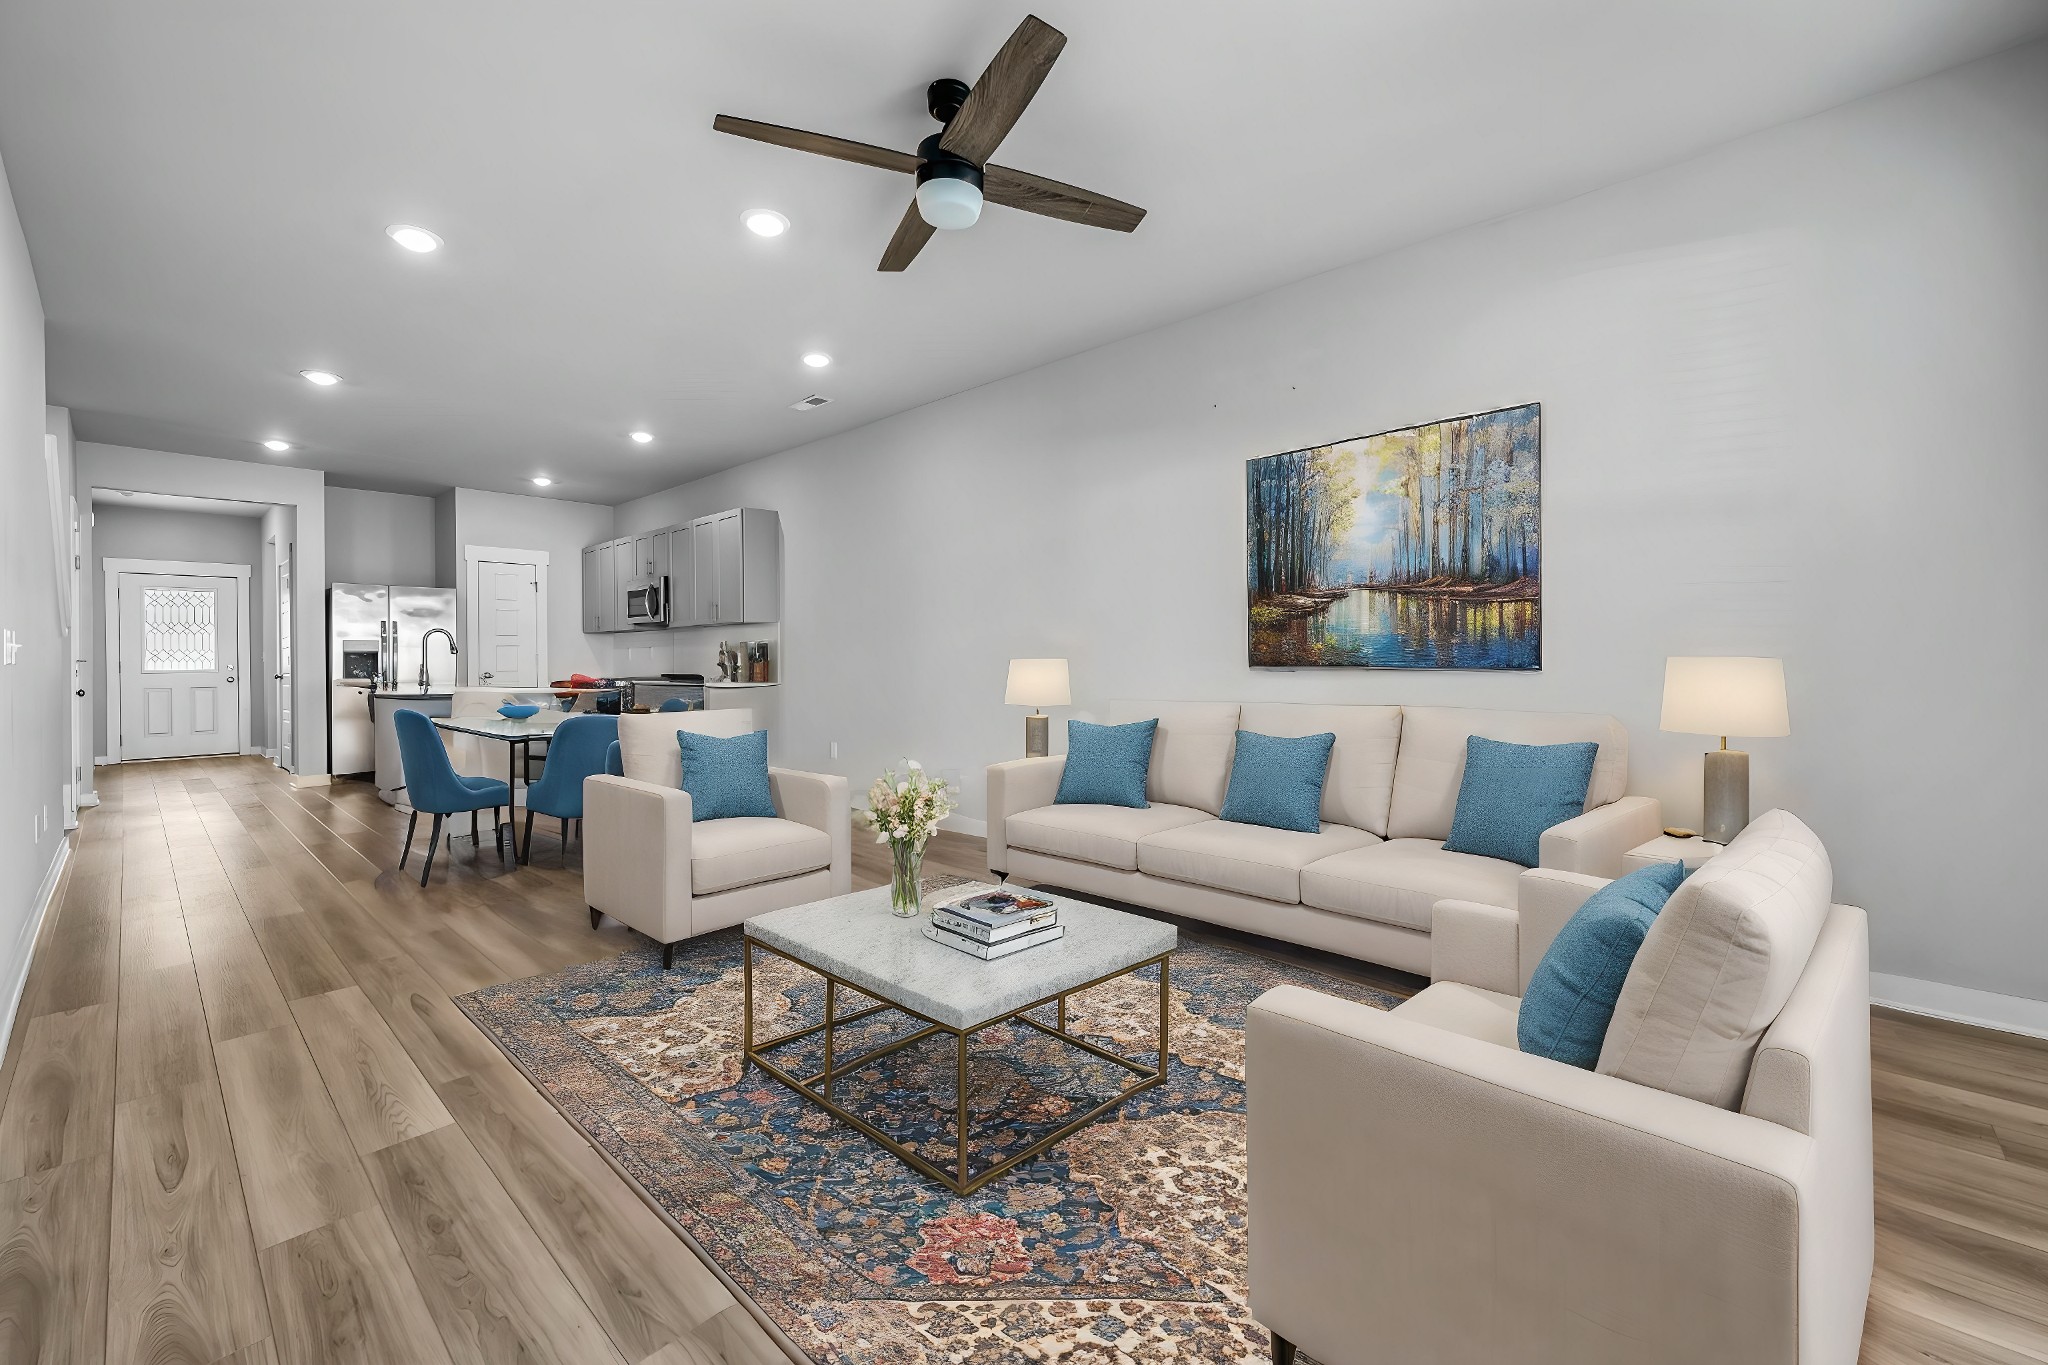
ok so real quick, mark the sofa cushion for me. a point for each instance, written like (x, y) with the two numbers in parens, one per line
(1400, 881)
(1106, 764)
(1190, 750)
(1360, 782)
(1104, 835)
(1278, 782)
(1511, 793)
(746, 849)
(1432, 761)
(647, 744)
(1249, 859)
(1458, 1008)
(1720, 962)
(726, 776)
(1570, 998)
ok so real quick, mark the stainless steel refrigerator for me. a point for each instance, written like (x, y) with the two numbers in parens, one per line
(375, 643)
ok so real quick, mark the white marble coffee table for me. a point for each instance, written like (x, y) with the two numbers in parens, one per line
(854, 942)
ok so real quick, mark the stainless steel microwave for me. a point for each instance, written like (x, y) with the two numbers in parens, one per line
(647, 602)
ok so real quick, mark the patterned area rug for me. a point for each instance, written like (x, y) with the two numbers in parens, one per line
(1123, 1244)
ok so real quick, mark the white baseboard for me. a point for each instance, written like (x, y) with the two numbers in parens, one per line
(2007, 1013)
(25, 944)
(270, 754)
(87, 800)
(103, 762)
(963, 825)
(313, 779)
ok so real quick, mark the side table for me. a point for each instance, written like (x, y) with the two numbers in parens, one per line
(1665, 849)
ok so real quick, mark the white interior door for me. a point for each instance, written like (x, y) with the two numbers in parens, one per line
(284, 659)
(507, 630)
(179, 646)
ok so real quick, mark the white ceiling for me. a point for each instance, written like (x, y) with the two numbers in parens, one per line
(177, 502)
(205, 186)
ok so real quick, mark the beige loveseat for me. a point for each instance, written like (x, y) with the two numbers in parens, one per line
(1365, 884)
(1422, 1191)
(647, 864)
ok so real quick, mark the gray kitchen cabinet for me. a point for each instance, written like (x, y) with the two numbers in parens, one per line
(682, 576)
(593, 594)
(611, 605)
(738, 557)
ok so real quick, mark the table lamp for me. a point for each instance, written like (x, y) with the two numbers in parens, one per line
(1035, 683)
(1725, 696)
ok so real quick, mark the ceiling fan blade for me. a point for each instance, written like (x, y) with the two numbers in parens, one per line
(1036, 194)
(840, 148)
(999, 97)
(911, 235)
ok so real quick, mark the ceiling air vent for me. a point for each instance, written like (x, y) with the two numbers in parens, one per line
(806, 404)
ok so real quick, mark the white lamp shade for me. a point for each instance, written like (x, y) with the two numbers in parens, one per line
(1038, 682)
(1725, 695)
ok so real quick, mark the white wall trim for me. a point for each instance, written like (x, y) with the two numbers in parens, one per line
(109, 661)
(2007, 1013)
(31, 929)
(474, 555)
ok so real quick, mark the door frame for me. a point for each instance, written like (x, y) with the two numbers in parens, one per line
(110, 673)
(284, 715)
(474, 555)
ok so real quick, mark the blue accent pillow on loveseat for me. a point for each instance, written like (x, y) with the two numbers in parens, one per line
(1572, 993)
(1511, 793)
(1106, 764)
(726, 777)
(1277, 781)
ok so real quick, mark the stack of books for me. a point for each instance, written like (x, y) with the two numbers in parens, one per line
(993, 924)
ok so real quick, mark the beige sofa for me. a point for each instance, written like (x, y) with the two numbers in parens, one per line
(1366, 883)
(645, 863)
(1422, 1191)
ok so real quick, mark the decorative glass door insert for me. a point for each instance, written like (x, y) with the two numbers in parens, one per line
(178, 632)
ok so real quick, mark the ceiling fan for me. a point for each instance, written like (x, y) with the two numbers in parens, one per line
(952, 166)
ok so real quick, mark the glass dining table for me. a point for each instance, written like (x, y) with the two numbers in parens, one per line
(517, 736)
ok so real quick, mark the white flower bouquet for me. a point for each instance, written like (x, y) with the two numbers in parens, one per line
(904, 811)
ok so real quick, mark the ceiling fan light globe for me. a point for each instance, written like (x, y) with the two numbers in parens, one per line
(949, 204)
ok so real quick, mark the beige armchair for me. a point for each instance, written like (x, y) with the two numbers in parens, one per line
(1424, 1193)
(648, 865)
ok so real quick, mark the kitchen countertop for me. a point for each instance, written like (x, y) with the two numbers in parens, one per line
(413, 696)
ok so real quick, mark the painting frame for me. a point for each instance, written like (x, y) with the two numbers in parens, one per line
(1416, 548)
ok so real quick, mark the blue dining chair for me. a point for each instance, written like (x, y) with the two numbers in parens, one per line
(432, 785)
(577, 749)
(673, 704)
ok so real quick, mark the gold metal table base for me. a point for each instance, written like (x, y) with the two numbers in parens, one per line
(817, 1087)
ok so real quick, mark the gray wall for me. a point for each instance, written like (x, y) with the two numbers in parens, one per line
(204, 537)
(381, 538)
(509, 521)
(35, 692)
(1789, 409)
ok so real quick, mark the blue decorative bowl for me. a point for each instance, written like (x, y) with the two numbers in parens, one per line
(517, 711)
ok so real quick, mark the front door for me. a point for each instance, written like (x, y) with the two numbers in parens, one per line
(285, 758)
(507, 625)
(180, 692)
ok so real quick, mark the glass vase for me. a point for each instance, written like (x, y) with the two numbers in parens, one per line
(906, 857)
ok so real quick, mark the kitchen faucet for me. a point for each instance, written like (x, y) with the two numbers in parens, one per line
(452, 649)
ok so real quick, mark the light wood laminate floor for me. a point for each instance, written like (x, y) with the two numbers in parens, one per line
(241, 1120)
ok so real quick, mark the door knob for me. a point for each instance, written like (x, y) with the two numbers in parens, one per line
(80, 692)
(230, 679)
(277, 677)
(485, 677)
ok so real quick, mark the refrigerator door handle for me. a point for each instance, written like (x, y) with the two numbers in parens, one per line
(384, 655)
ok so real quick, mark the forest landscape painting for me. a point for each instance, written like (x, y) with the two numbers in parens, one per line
(1417, 548)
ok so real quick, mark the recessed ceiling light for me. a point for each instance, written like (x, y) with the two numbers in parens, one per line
(321, 377)
(765, 222)
(413, 238)
(817, 360)
(641, 437)
(541, 481)
(279, 446)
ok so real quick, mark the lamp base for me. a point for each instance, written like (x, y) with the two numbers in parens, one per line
(1037, 736)
(1726, 810)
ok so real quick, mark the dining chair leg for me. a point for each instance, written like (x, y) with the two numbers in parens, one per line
(527, 857)
(433, 841)
(498, 831)
(412, 822)
(565, 841)
(472, 832)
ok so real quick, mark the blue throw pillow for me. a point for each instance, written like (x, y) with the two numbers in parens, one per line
(1106, 764)
(1513, 792)
(726, 777)
(1278, 782)
(1571, 996)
